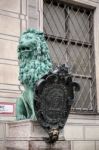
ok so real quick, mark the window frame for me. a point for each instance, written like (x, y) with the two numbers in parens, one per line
(52, 38)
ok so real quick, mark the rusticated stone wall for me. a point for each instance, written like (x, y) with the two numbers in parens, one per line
(15, 17)
(13, 20)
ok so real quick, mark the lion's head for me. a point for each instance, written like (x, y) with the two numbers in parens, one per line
(34, 58)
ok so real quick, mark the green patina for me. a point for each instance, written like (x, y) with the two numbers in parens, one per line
(34, 62)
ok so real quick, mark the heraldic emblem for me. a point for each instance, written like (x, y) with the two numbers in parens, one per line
(54, 96)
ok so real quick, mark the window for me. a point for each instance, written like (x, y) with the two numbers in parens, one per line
(69, 33)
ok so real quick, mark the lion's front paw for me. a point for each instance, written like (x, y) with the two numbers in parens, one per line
(21, 117)
(33, 117)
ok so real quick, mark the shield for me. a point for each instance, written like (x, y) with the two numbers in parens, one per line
(53, 99)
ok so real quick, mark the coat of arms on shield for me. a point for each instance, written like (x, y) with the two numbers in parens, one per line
(54, 96)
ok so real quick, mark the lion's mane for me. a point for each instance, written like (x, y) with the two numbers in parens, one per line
(33, 55)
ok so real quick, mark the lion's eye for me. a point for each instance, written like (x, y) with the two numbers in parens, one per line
(27, 48)
(23, 48)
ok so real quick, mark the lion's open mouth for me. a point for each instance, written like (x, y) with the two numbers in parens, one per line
(24, 49)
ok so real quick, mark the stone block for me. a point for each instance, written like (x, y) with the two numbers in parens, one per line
(38, 131)
(10, 5)
(37, 145)
(10, 38)
(8, 49)
(24, 7)
(2, 131)
(29, 135)
(19, 129)
(9, 25)
(33, 3)
(24, 25)
(9, 13)
(73, 132)
(33, 13)
(41, 145)
(97, 145)
(9, 74)
(17, 145)
(92, 132)
(7, 118)
(83, 145)
(11, 94)
(2, 144)
(33, 23)
(10, 87)
(84, 120)
(25, 129)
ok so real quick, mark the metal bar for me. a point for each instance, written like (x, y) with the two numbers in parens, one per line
(72, 41)
(78, 51)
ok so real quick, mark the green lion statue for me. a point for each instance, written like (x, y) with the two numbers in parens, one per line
(34, 62)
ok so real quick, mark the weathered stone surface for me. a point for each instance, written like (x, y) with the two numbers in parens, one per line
(92, 132)
(17, 145)
(24, 7)
(84, 145)
(25, 129)
(28, 135)
(8, 49)
(73, 132)
(2, 131)
(10, 5)
(2, 145)
(97, 145)
(41, 145)
(33, 3)
(37, 145)
(33, 23)
(9, 26)
(9, 74)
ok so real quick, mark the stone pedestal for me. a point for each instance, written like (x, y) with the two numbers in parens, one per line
(28, 135)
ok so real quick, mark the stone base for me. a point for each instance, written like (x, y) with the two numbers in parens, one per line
(41, 145)
(28, 135)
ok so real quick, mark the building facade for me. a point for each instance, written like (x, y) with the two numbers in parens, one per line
(71, 30)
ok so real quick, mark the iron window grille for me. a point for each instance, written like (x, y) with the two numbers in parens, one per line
(69, 33)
